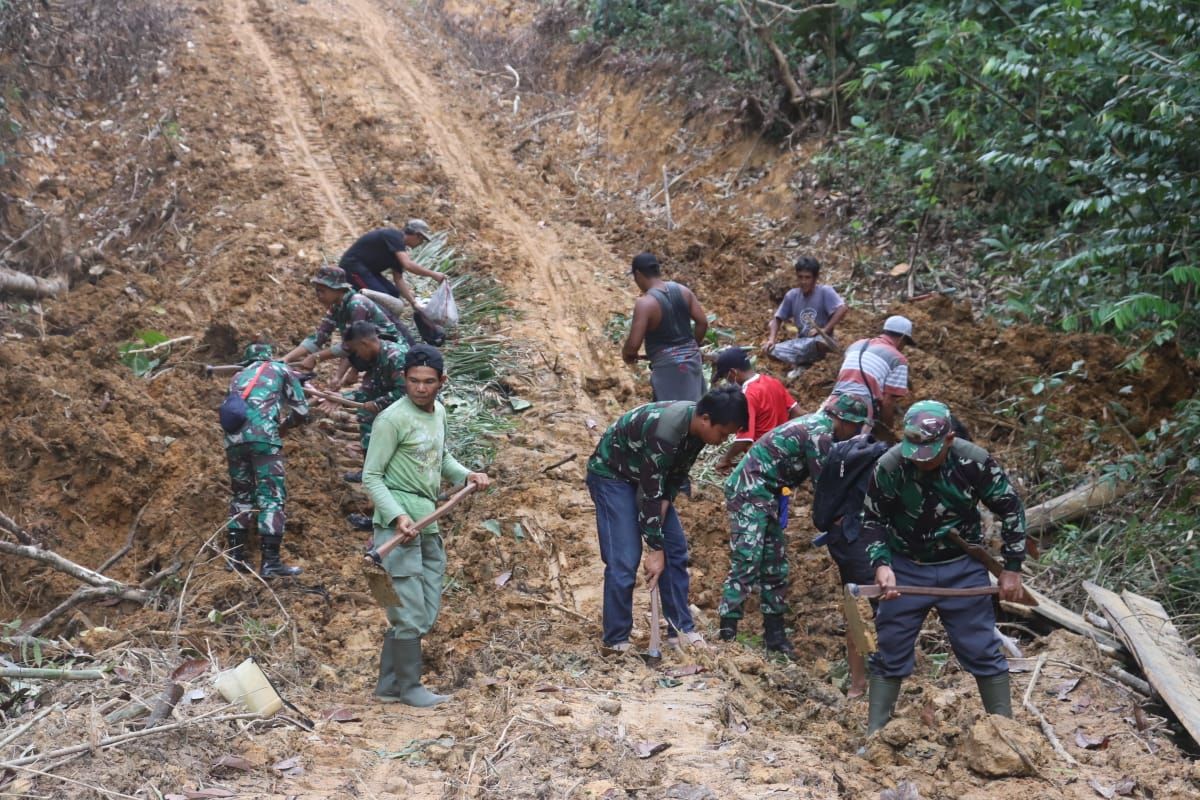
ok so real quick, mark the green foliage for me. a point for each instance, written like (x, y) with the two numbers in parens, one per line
(143, 364)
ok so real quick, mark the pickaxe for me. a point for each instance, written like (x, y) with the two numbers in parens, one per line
(873, 590)
(379, 581)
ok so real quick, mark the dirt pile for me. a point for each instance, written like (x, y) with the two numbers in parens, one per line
(305, 124)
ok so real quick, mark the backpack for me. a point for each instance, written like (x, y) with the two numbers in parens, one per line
(842, 484)
(234, 412)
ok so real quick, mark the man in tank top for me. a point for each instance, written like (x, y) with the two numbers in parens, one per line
(672, 323)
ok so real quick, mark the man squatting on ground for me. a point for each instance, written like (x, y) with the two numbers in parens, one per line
(275, 403)
(637, 469)
(672, 323)
(383, 249)
(815, 309)
(768, 401)
(877, 370)
(922, 488)
(780, 459)
(406, 462)
(343, 306)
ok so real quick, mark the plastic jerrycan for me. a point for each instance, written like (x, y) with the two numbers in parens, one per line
(248, 685)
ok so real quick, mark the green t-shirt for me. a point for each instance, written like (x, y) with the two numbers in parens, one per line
(406, 462)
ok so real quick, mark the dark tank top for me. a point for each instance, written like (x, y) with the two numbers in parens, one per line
(675, 327)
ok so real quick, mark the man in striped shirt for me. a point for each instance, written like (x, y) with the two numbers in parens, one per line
(877, 371)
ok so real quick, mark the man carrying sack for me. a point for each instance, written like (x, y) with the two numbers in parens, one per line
(269, 400)
(923, 493)
(406, 461)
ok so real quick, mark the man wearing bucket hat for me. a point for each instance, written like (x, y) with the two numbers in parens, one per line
(271, 402)
(343, 306)
(923, 488)
(781, 459)
(383, 249)
(877, 370)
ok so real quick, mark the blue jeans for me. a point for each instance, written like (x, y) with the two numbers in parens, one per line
(621, 551)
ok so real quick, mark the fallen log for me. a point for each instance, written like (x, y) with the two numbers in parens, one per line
(1170, 667)
(1074, 504)
(13, 282)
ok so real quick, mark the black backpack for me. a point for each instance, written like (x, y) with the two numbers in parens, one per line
(842, 485)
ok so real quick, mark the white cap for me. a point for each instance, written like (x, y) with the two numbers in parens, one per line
(899, 326)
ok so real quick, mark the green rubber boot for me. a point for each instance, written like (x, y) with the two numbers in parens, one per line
(996, 694)
(407, 671)
(881, 699)
(388, 688)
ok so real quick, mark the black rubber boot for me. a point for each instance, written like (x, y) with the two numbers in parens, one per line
(775, 637)
(235, 557)
(272, 565)
(407, 671)
(728, 630)
(360, 522)
(388, 688)
(881, 699)
(352, 477)
(996, 694)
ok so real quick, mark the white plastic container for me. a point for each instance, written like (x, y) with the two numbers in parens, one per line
(246, 684)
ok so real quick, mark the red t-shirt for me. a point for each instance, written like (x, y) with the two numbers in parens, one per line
(769, 402)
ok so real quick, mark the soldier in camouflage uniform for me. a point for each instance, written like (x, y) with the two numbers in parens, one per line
(641, 462)
(382, 365)
(274, 404)
(345, 306)
(922, 488)
(781, 458)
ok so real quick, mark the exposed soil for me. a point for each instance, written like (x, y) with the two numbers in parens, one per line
(303, 124)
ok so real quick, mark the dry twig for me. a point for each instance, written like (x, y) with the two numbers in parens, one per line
(1047, 728)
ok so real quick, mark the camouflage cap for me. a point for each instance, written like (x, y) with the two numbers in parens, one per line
(848, 407)
(257, 352)
(331, 276)
(926, 426)
(419, 227)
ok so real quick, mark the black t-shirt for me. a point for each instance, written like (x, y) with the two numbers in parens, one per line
(376, 251)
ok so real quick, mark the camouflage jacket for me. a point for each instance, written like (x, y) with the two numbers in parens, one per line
(353, 307)
(650, 448)
(383, 381)
(276, 402)
(783, 456)
(908, 511)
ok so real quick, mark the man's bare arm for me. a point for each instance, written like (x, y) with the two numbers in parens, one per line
(835, 318)
(733, 455)
(699, 317)
(637, 329)
(408, 264)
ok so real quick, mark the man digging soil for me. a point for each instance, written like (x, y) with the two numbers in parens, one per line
(406, 461)
(273, 401)
(924, 493)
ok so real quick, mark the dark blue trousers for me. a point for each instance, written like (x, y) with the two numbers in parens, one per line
(362, 278)
(970, 622)
(621, 551)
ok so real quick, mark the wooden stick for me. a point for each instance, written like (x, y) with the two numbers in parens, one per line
(80, 597)
(1131, 680)
(335, 398)
(33, 673)
(376, 554)
(560, 462)
(117, 556)
(165, 704)
(10, 525)
(122, 738)
(59, 563)
(160, 346)
(19, 732)
(667, 197)
(1046, 727)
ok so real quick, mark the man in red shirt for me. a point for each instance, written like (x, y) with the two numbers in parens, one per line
(768, 400)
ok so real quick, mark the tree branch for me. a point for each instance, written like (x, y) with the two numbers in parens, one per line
(61, 564)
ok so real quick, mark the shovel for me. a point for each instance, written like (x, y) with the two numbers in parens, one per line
(653, 656)
(379, 581)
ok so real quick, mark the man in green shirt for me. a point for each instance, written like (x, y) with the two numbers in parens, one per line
(406, 462)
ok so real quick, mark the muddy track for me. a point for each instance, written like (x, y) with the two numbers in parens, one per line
(300, 142)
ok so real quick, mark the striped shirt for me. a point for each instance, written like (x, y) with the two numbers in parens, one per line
(884, 370)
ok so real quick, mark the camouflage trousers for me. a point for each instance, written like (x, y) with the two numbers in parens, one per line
(256, 476)
(758, 558)
(365, 420)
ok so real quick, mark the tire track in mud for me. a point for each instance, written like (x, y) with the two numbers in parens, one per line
(302, 148)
